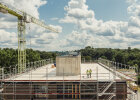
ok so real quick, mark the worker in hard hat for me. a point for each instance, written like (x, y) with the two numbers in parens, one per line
(90, 72)
(87, 72)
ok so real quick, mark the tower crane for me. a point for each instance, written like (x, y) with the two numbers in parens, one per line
(23, 18)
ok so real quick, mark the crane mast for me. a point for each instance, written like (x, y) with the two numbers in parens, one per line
(23, 18)
(21, 46)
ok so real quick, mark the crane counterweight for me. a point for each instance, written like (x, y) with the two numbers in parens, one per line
(3, 11)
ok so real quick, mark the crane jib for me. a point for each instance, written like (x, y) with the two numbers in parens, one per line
(5, 9)
(24, 16)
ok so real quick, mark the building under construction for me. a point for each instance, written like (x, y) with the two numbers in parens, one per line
(67, 80)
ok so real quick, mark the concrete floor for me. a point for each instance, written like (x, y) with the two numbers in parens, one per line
(120, 74)
(47, 73)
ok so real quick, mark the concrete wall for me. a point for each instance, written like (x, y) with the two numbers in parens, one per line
(68, 65)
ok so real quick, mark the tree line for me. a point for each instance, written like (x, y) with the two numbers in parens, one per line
(125, 56)
(9, 56)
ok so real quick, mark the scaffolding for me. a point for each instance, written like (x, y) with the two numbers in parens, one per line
(33, 88)
(125, 72)
(1, 83)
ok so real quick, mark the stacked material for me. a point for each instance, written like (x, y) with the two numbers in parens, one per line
(53, 66)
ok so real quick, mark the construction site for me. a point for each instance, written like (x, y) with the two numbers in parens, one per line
(68, 80)
(65, 78)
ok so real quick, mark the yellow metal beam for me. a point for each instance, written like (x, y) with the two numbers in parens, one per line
(40, 23)
(24, 16)
(10, 11)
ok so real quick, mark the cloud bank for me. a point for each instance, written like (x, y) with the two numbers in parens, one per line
(114, 34)
(89, 30)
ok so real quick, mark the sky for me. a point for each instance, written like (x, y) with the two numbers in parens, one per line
(81, 23)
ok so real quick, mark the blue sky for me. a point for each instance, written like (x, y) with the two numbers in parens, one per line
(109, 9)
(97, 23)
(104, 10)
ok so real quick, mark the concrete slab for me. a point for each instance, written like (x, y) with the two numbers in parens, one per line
(47, 73)
(119, 74)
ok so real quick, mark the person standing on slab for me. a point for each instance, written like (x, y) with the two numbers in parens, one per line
(90, 72)
(87, 72)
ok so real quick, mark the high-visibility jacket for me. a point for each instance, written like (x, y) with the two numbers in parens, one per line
(90, 71)
(87, 72)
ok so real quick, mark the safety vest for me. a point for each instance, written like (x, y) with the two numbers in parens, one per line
(90, 71)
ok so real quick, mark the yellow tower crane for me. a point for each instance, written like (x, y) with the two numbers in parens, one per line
(23, 18)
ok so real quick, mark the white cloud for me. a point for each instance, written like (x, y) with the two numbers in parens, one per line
(134, 32)
(38, 36)
(134, 21)
(7, 38)
(55, 18)
(68, 19)
(79, 14)
(79, 39)
(118, 34)
(131, 1)
(76, 10)
(7, 21)
(93, 32)
(29, 6)
(5, 24)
